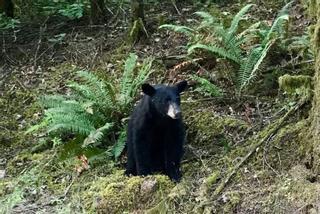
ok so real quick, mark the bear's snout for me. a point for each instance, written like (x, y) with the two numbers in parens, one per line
(174, 111)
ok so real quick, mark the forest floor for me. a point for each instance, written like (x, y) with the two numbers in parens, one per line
(220, 131)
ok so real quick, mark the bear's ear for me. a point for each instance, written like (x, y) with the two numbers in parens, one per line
(148, 89)
(181, 86)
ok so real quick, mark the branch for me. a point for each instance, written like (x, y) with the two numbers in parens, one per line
(272, 130)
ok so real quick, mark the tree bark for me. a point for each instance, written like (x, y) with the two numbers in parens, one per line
(97, 11)
(314, 130)
(7, 7)
(137, 11)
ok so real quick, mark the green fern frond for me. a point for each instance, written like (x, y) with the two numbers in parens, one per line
(51, 101)
(207, 87)
(71, 122)
(44, 123)
(215, 50)
(101, 92)
(66, 107)
(235, 21)
(179, 29)
(127, 77)
(285, 9)
(82, 91)
(143, 74)
(277, 27)
(131, 82)
(233, 46)
(248, 69)
(119, 146)
(207, 19)
(96, 135)
(250, 31)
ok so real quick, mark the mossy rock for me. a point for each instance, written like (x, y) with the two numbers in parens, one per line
(118, 193)
(300, 85)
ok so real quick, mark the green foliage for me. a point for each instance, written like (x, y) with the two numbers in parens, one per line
(249, 68)
(57, 39)
(94, 107)
(300, 45)
(120, 144)
(179, 29)
(73, 11)
(7, 22)
(207, 88)
(68, 9)
(246, 49)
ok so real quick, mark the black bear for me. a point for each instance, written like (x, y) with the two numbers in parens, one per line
(156, 132)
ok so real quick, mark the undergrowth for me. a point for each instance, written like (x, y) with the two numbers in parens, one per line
(93, 111)
(247, 49)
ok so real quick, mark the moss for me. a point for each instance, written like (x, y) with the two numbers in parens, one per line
(20, 161)
(232, 200)
(117, 194)
(296, 85)
(6, 187)
(136, 31)
(205, 127)
(295, 191)
(212, 179)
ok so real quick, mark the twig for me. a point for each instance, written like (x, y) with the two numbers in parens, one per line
(175, 6)
(38, 47)
(22, 85)
(290, 63)
(41, 31)
(272, 130)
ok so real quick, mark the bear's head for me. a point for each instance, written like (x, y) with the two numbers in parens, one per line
(166, 99)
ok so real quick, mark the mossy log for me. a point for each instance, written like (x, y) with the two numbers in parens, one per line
(314, 132)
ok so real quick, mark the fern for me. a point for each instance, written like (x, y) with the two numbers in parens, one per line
(207, 87)
(94, 107)
(249, 68)
(97, 134)
(276, 28)
(207, 19)
(227, 43)
(131, 82)
(215, 50)
(71, 122)
(120, 144)
(179, 29)
(235, 21)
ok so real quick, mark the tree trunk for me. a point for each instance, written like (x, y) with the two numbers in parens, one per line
(7, 7)
(137, 30)
(314, 131)
(97, 11)
(137, 11)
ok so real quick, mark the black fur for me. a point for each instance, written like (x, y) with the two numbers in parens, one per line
(155, 141)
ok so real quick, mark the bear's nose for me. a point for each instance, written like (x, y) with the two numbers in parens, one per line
(174, 111)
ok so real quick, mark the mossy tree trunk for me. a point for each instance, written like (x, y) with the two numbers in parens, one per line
(314, 131)
(137, 30)
(97, 11)
(7, 7)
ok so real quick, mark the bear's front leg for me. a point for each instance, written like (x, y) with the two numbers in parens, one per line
(174, 151)
(142, 153)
